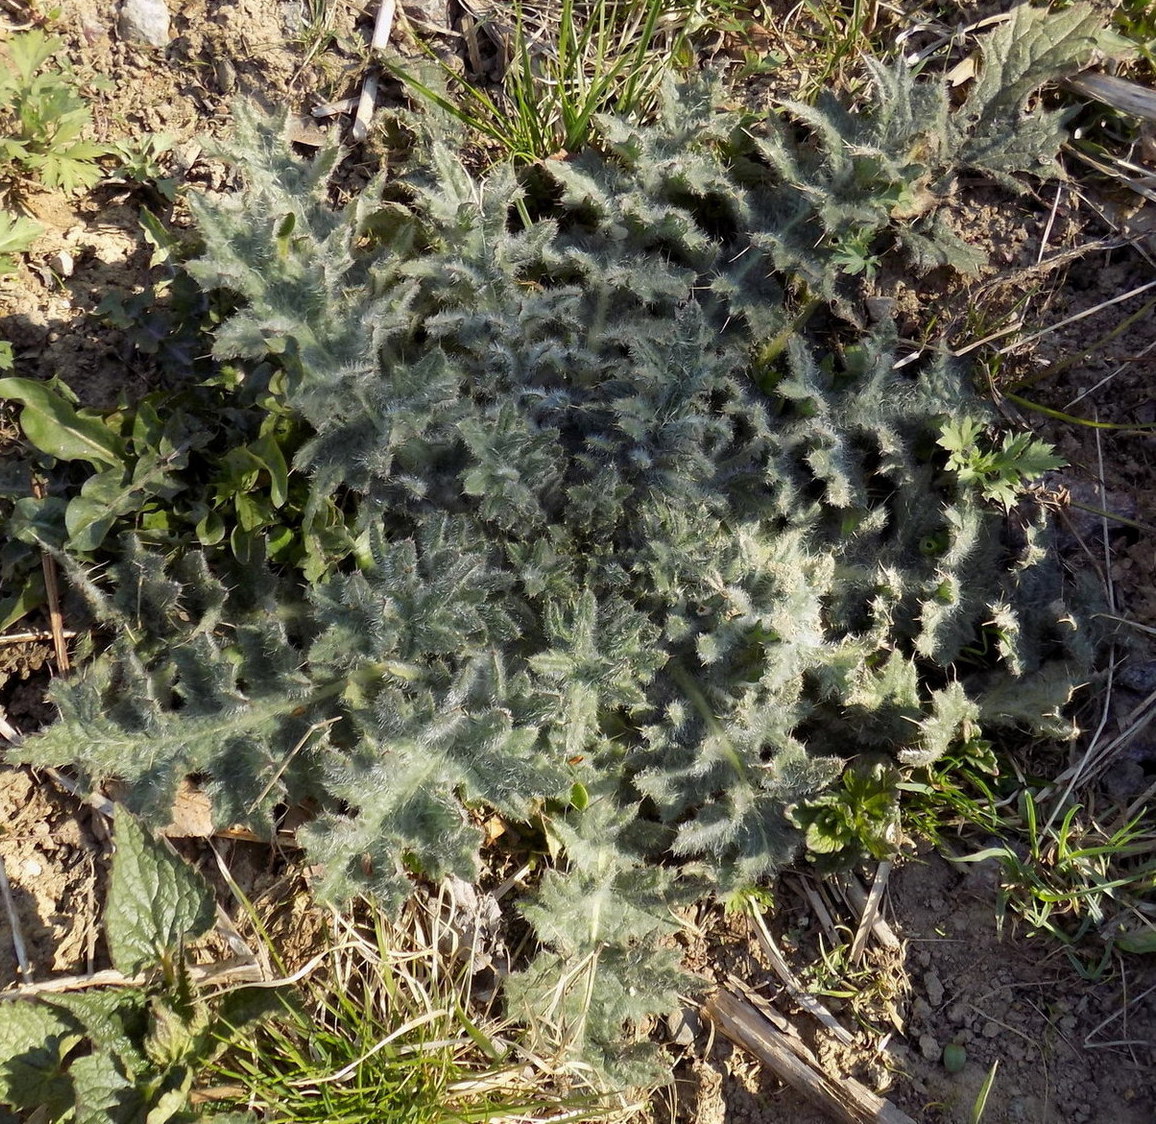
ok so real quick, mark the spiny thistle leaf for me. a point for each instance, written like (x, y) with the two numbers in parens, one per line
(624, 526)
(995, 130)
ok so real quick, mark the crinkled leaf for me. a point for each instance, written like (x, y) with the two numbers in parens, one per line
(104, 1092)
(34, 1041)
(155, 900)
(116, 1018)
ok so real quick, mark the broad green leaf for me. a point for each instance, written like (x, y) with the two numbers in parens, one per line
(155, 900)
(18, 605)
(242, 1007)
(164, 243)
(114, 1018)
(279, 542)
(104, 1094)
(38, 522)
(147, 427)
(210, 529)
(54, 426)
(240, 471)
(172, 1102)
(34, 1041)
(88, 522)
(268, 452)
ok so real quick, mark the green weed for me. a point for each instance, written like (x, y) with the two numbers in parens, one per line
(837, 36)
(1072, 879)
(130, 1049)
(958, 792)
(143, 164)
(858, 816)
(979, 1107)
(17, 236)
(1136, 19)
(43, 120)
(998, 473)
(601, 56)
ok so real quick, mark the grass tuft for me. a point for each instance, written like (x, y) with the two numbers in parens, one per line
(562, 69)
(390, 1024)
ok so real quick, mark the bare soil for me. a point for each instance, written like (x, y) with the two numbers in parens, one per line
(1069, 1050)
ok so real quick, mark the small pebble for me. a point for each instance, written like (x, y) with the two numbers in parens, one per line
(62, 263)
(934, 986)
(144, 21)
(683, 1027)
(226, 75)
(929, 1048)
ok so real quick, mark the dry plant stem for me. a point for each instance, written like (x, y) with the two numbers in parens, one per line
(365, 104)
(1042, 268)
(14, 924)
(234, 970)
(1129, 97)
(1076, 357)
(280, 771)
(90, 926)
(1120, 1014)
(1095, 759)
(1141, 354)
(1110, 591)
(52, 591)
(991, 337)
(952, 35)
(870, 915)
(842, 1099)
(1078, 316)
(1112, 221)
(856, 895)
(381, 29)
(334, 108)
(1140, 802)
(1050, 223)
(34, 637)
(815, 899)
(808, 1002)
(9, 732)
(1115, 169)
(233, 1093)
(262, 954)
